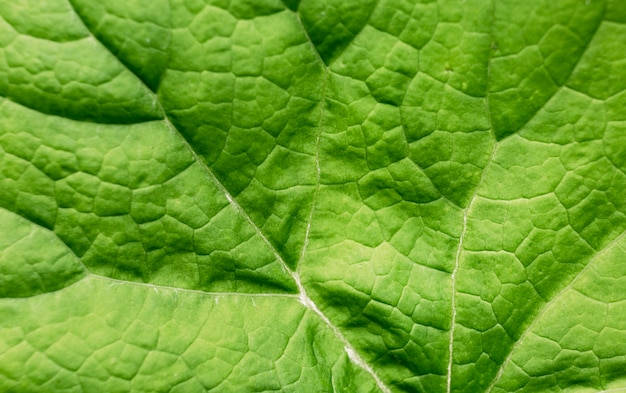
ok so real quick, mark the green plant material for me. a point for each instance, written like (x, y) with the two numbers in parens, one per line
(312, 196)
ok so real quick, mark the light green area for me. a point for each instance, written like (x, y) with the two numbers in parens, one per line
(33, 260)
(312, 196)
(168, 340)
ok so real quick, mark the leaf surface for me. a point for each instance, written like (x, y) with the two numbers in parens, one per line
(378, 196)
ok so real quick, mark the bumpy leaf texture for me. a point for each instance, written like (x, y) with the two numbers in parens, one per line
(312, 196)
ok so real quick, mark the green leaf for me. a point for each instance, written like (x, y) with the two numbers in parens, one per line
(312, 196)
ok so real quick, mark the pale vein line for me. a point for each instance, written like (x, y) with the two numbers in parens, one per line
(156, 287)
(548, 305)
(613, 390)
(465, 215)
(453, 300)
(192, 291)
(304, 298)
(232, 201)
(456, 268)
(318, 170)
(350, 350)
